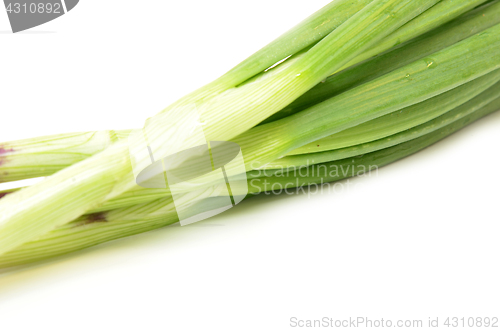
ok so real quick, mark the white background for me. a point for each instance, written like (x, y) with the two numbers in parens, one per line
(419, 240)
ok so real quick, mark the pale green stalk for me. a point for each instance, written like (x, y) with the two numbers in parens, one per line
(304, 35)
(320, 24)
(414, 83)
(336, 170)
(254, 102)
(436, 16)
(307, 33)
(459, 29)
(44, 156)
(35, 210)
(464, 110)
(404, 119)
(91, 230)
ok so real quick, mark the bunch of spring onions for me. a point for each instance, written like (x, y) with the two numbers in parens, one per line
(357, 85)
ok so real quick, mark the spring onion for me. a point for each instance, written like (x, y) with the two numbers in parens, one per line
(358, 83)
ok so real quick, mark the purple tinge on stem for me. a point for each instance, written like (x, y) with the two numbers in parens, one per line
(3, 153)
(4, 194)
(95, 218)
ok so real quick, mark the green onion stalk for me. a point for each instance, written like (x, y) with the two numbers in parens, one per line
(405, 74)
(438, 73)
(375, 129)
(408, 51)
(35, 210)
(40, 157)
(141, 195)
(93, 229)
